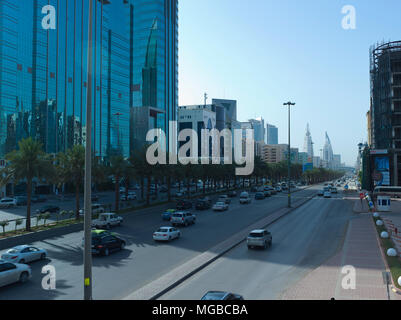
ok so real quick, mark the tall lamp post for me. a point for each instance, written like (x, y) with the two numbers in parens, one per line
(289, 104)
(88, 167)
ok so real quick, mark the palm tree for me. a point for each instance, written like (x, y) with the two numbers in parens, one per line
(118, 167)
(70, 167)
(29, 161)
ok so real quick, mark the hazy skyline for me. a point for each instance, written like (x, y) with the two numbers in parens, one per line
(263, 53)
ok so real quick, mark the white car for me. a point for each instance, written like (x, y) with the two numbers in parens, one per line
(13, 272)
(327, 194)
(24, 254)
(96, 209)
(166, 234)
(245, 198)
(220, 206)
(107, 220)
(8, 202)
(131, 196)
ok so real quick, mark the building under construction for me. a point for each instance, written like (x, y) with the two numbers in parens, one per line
(385, 114)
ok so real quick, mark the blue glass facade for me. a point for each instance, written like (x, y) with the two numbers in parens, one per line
(43, 72)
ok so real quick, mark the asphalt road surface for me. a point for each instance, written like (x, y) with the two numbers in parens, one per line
(302, 241)
(143, 260)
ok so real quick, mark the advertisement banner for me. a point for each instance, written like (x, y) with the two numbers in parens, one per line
(381, 174)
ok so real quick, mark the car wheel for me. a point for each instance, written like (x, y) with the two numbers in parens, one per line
(265, 245)
(108, 226)
(270, 243)
(249, 247)
(43, 256)
(23, 277)
(169, 238)
(22, 261)
(122, 246)
(106, 252)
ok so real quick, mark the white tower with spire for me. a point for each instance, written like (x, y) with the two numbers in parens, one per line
(308, 143)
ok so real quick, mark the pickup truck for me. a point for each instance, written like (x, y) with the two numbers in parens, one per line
(107, 220)
(259, 238)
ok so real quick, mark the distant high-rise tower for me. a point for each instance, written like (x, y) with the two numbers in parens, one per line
(272, 134)
(328, 152)
(308, 144)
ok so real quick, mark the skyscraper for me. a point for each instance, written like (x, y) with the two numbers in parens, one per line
(308, 143)
(43, 72)
(271, 134)
(328, 152)
(258, 125)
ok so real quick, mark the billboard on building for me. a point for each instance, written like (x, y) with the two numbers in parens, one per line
(381, 173)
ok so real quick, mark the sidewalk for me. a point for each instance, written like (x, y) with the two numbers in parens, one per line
(360, 250)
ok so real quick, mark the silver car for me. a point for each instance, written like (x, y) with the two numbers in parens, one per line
(13, 272)
(24, 254)
(259, 238)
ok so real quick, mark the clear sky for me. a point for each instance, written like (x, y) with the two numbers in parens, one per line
(265, 52)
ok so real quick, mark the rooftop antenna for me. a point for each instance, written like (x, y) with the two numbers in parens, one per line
(205, 96)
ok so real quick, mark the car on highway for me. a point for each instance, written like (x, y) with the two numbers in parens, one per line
(107, 220)
(8, 203)
(184, 204)
(259, 195)
(202, 204)
(245, 198)
(267, 193)
(166, 215)
(320, 193)
(98, 233)
(224, 198)
(48, 208)
(333, 190)
(21, 200)
(166, 234)
(131, 196)
(232, 194)
(38, 198)
(104, 244)
(13, 272)
(184, 218)
(220, 295)
(278, 189)
(259, 238)
(327, 194)
(24, 254)
(220, 206)
(96, 209)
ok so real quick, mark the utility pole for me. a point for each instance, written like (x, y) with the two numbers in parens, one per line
(88, 167)
(205, 98)
(289, 104)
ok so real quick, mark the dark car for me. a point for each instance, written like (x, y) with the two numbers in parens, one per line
(21, 200)
(50, 208)
(267, 193)
(220, 295)
(38, 198)
(203, 204)
(105, 243)
(259, 196)
(232, 194)
(183, 205)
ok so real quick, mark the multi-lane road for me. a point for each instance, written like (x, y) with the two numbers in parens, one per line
(302, 239)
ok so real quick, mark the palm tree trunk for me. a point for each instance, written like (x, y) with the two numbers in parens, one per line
(142, 186)
(169, 188)
(117, 191)
(77, 201)
(28, 205)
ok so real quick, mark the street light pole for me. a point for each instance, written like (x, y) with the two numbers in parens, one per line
(289, 104)
(88, 167)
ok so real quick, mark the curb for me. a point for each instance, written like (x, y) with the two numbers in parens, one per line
(154, 296)
(393, 286)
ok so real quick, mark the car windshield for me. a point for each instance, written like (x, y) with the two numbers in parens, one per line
(13, 251)
(177, 215)
(219, 204)
(162, 230)
(256, 234)
(214, 296)
(103, 218)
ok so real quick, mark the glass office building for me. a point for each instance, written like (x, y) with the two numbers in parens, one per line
(43, 72)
